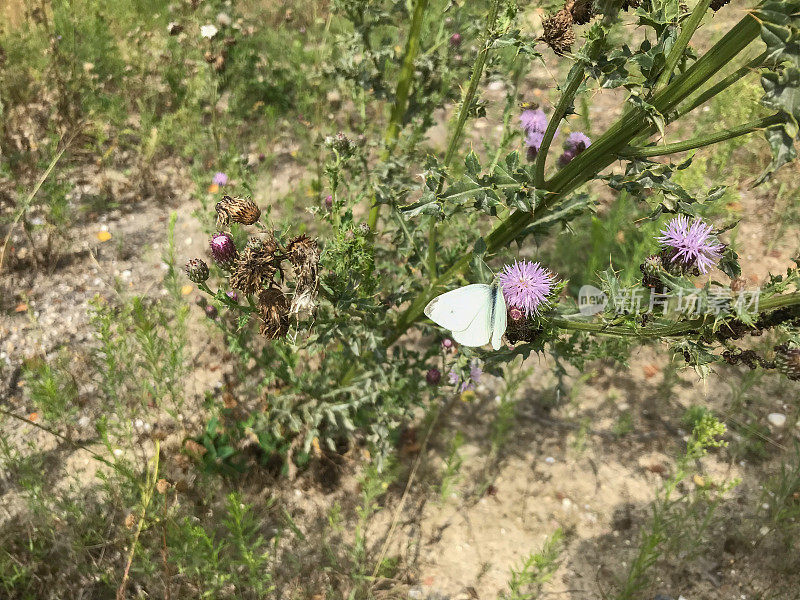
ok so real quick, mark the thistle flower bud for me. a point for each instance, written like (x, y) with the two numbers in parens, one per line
(341, 144)
(329, 202)
(238, 210)
(433, 376)
(787, 360)
(650, 268)
(223, 250)
(212, 312)
(197, 270)
(447, 344)
(455, 40)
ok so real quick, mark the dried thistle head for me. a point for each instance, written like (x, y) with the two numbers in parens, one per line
(303, 253)
(274, 309)
(558, 32)
(238, 210)
(582, 11)
(255, 265)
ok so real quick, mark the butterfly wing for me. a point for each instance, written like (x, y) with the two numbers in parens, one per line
(466, 312)
(500, 321)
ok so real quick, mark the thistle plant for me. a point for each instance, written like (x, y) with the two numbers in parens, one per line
(419, 236)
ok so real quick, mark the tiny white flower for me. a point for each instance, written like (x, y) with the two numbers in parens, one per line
(224, 20)
(208, 31)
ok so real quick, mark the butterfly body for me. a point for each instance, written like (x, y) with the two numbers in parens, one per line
(475, 314)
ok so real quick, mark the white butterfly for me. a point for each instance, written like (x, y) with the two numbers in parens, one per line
(476, 314)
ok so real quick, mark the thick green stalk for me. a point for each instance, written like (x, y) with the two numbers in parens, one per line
(720, 86)
(687, 31)
(699, 142)
(401, 95)
(463, 115)
(576, 78)
(659, 331)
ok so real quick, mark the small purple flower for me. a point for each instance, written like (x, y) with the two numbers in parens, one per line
(453, 377)
(475, 371)
(329, 202)
(223, 249)
(577, 142)
(466, 386)
(233, 296)
(220, 179)
(533, 120)
(692, 244)
(455, 40)
(566, 158)
(433, 376)
(447, 344)
(526, 285)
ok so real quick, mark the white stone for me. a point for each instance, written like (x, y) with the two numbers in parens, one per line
(549, 460)
(776, 419)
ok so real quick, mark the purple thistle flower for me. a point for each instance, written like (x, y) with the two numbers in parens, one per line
(577, 142)
(223, 249)
(211, 311)
(691, 243)
(455, 40)
(329, 202)
(533, 120)
(433, 376)
(526, 285)
(220, 179)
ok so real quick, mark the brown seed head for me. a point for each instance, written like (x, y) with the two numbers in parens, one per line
(558, 32)
(238, 210)
(303, 253)
(582, 11)
(274, 309)
(162, 485)
(256, 265)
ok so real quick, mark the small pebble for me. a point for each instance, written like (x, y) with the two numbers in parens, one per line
(549, 460)
(776, 419)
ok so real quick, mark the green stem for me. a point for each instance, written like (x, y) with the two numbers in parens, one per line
(463, 115)
(687, 31)
(720, 86)
(699, 142)
(401, 96)
(576, 77)
(659, 331)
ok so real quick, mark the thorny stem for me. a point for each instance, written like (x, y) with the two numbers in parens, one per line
(575, 80)
(597, 157)
(721, 85)
(463, 115)
(401, 96)
(687, 31)
(699, 142)
(658, 331)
